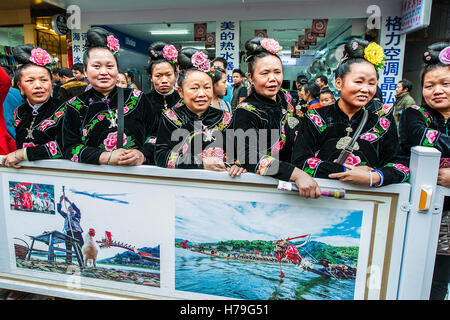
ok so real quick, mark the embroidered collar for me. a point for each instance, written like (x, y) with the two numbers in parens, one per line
(166, 94)
(36, 106)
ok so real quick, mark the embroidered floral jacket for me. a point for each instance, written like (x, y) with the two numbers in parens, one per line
(44, 139)
(184, 138)
(276, 124)
(424, 126)
(90, 129)
(160, 102)
(320, 143)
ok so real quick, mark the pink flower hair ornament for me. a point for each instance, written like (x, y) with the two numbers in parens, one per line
(271, 45)
(113, 44)
(202, 63)
(42, 58)
(170, 53)
(444, 56)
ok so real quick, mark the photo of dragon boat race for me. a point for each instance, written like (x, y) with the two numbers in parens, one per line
(266, 251)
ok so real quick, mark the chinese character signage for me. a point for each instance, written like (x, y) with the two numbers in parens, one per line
(78, 42)
(227, 45)
(393, 43)
(415, 15)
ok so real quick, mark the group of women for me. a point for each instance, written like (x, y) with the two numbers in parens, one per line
(181, 124)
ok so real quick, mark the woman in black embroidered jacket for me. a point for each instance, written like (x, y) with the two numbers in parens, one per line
(191, 134)
(163, 72)
(327, 131)
(428, 126)
(90, 129)
(38, 121)
(265, 123)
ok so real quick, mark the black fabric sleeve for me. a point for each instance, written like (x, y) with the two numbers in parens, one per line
(73, 147)
(306, 146)
(173, 153)
(247, 144)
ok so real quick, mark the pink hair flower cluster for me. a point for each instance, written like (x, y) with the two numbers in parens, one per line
(200, 61)
(444, 56)
(113, 44)
(41, 57)
(271, 45)
(170, 53)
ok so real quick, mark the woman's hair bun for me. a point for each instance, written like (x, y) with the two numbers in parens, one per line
(155, 51)
(254, 47)
(22, 53)
(184, 57)
(354, 48)
(431, 55)
(97, 37)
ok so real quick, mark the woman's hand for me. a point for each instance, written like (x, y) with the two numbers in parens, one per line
(235, 171)
(357, 175)
(307, 186)
(12, 159)
(444, 177)
(131, 157)
(214, 164)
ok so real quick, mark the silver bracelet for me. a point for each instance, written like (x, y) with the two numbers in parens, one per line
(109, 158)
(371, 181)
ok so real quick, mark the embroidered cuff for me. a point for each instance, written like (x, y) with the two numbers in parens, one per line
(381, 178)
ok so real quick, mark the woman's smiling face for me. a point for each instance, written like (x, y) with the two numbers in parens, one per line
(359, 85)
(101, 70)
(197, 91)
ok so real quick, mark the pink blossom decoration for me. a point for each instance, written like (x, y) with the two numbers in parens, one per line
(316, 119)
(85, 132)
(111, 141)
(313, 162)
(28, 144)
(369, 137)
(171, 115)
(213, 153)
(185, 148)
(75, 158)
(113, 44)
(171, 164)
(100, 117)
(384, 123)
(137, 92)
(40, 57)
(353, 160)
(277, 147)
(72, 100)
(431, 135)
(271, 45)
(52, 147)
(226, 118)
(444, 56)
(401, 167)
(170, 53)
(46, 124)
(200, 61)
(386, 108)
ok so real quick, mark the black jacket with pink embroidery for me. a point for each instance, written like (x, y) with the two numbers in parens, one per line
(184, 138)
(424, 126)
(271, 127)
(90, 125)
(320, 143)
(44, 139)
